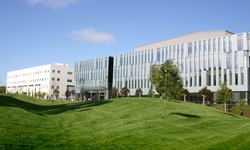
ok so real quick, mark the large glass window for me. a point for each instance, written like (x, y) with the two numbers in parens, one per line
(158, 54)
(178, 51)
(200, 48)
(166, 52)
(152, 55)
(162, 54)
(170, 52)
(224, 45)
(195, 49)
(230, 44)
(174, 55)
(214, 46)
(219, 45)
(229, 60)
(240, 42)
(209, 47)
(190, 49)
(204, 48)
(236, 59)
(182, 51)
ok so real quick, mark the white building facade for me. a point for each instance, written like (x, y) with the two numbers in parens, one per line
(45, 79)
(204, 59)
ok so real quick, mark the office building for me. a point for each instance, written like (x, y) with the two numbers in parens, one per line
(204, 59)
(93, 78)
(45, 79)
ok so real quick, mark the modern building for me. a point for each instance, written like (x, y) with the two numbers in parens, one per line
(204, 59)
(43, 79)
(93, 78)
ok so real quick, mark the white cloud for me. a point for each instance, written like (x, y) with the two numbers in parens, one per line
(92, 35)
(54, 4)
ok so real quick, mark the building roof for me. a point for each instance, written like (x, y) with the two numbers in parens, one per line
(185, 38)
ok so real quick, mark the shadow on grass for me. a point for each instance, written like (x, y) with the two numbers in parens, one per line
(48, 110)
(185, 115)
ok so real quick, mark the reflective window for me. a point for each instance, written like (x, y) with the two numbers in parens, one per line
(182, 51)
(224, 45)
(240, 42)
(209, 47)
(189, 49)
(158, 54)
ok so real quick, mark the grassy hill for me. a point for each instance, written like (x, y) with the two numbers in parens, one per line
(126, 123)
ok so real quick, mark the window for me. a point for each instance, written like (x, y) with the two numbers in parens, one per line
(209, 47)
(52, 87)
(240, 42)
(58, 71)
(53, 71)
(236, 59)
(53, 79)
(224, 45)
(158, 54)
(189, 49)
(57, 87)
(182, 51)
(58, 79)
(70, 73)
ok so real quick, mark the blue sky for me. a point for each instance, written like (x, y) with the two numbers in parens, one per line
(38, 32)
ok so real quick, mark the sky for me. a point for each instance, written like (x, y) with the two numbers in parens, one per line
(39, 32)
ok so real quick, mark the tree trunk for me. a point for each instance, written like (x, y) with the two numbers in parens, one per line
(225, 106)
(203, 101)
(165, 109)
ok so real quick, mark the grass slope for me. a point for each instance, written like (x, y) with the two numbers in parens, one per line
(127, 123)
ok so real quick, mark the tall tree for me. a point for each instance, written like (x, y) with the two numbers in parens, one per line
(167, 81)
(224, 95)
(206, 94)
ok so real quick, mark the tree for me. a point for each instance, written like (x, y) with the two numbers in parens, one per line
(167, 81)
(206, 95)
(124, 91)
(224, 95)
(138, 92)
(150, 91)
(185, 94)
(67, 94)
(56, 93)
(113, 92)
(2, 89)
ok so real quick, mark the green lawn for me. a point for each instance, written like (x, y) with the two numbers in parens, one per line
(126, 123)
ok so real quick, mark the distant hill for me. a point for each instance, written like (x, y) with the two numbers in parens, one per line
(124, 123)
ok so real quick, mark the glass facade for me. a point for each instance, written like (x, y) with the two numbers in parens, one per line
(202, 62)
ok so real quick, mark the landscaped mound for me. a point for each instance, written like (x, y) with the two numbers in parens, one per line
(125, 123)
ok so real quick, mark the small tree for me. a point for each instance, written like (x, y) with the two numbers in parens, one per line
(167, 81)
(2, 89)
(138, 92)
(56, 93)
(113, 92)
(224, 95)
(150, 91)
(185, 95)
(124, 91)
(206, 95)
(67, 94)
